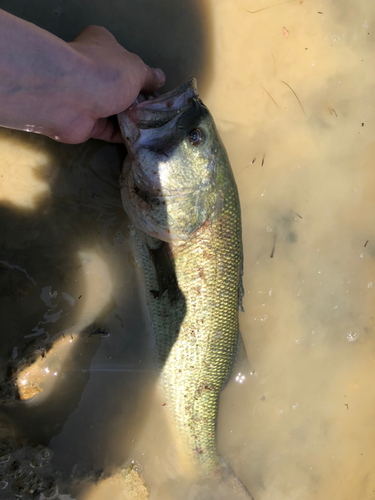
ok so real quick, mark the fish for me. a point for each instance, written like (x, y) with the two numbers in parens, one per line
(179, 192)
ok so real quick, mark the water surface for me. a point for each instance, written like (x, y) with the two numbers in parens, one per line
(291, 87)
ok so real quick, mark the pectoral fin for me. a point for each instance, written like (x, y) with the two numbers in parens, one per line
(165, 273)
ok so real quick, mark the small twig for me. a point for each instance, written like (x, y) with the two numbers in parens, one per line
(270, 6)
(366, 244)
(273, 248)
(274, 62)
(295, 96)
(273, 100)
(332, 111)
(298, 215)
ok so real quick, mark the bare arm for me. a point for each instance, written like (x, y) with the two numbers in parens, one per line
(67, 90)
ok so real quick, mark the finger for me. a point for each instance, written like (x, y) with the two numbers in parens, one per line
(154, 79)
(106, 130)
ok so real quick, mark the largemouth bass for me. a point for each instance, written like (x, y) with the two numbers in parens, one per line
(179, 191)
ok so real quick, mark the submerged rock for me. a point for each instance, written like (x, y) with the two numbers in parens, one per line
(135, 487)
(26, 472)
(12, 387)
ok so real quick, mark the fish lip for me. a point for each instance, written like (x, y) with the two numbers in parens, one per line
(155, 112)
(189, 88)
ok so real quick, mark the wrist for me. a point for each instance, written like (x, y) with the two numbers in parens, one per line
(42, 78)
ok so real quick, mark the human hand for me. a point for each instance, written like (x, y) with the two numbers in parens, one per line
(67, 91)
(118, 77)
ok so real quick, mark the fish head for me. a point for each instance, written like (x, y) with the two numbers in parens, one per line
(170, 185)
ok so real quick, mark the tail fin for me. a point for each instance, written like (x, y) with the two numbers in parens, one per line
(230, 486)
(222, 485)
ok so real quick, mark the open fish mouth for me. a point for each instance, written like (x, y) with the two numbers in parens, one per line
(149, 112)
(146, 109)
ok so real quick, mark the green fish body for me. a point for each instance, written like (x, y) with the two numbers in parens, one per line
(180, 193)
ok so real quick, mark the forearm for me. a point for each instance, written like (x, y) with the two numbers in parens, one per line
(63, 90)
(38, 71)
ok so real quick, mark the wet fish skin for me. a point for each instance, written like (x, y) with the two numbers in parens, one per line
(184, 203)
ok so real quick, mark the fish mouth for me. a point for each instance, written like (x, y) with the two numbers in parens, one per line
(149, 112)
(145, 109)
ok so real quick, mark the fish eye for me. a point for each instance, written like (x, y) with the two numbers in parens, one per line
(196, 137)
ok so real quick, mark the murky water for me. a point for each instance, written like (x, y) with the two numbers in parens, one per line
(291, 87)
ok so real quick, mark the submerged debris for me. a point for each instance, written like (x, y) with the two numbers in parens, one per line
(134, 484)
(28, 391)
(332, 111)
(274, 5)
(100, 331)
(13, 386)
(273, 248)
(296, 96)
(26, 472)
(298, 215)
(270, 96)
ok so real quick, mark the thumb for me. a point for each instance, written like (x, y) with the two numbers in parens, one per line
(155, 78)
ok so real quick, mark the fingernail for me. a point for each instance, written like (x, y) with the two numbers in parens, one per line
(161, 76)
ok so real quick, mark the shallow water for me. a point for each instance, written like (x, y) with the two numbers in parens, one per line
(291, 89)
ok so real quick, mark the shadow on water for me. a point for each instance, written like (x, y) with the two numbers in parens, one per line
(46, 254)
(43, 286)
(82, 211)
